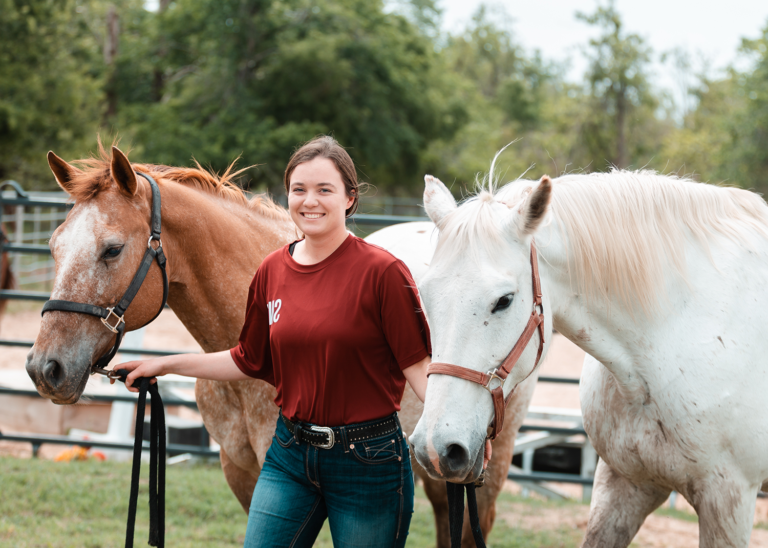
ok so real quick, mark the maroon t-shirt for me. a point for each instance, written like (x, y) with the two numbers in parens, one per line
(333, 337)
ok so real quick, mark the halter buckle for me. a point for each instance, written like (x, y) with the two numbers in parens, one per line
(109, 373)
(120, 319)
(493, 376)
(326, 430)
(159, 242)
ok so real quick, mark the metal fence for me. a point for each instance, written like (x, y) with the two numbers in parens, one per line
(34, 216)
(29, 219)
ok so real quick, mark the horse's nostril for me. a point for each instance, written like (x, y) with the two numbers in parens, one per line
(456, 457)
(53, 373)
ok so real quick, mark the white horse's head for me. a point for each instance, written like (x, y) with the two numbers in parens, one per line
(478, 297)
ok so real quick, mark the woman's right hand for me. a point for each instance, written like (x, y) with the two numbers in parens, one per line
(154, 367)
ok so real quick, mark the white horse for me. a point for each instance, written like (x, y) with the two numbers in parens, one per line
(663, 281)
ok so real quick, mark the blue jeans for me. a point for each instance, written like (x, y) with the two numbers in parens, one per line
(365, 489)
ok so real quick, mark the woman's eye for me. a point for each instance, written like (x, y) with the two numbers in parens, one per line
(502, 303)
(113, 252)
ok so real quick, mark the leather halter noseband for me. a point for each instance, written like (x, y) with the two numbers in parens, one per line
(493, 381)
(116, 314)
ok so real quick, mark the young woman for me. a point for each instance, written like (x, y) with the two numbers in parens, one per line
(336, 326)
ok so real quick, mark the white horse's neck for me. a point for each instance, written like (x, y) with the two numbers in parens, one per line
(602, 329)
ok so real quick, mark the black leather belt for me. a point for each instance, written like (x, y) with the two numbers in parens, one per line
(326, 437)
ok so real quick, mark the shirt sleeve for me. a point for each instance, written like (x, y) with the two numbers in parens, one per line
(253, 354)
(403, 320)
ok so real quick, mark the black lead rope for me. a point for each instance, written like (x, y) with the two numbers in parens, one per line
(456, 513)
(156, 463)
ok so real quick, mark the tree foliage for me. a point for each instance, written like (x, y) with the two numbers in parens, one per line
(255, 78)
(618, 88)
(51, 89)
(217, 79)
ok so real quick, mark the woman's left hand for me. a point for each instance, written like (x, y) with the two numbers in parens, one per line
(488, 452)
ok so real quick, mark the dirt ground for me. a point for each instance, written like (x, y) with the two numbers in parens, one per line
(564, 360)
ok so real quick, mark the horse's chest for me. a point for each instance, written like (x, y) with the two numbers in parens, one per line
(636, 438)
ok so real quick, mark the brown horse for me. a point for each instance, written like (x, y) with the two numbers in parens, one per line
(214, 239)
(6, 274)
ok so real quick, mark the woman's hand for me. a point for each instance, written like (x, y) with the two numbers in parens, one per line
(154, 367)
(488, 452)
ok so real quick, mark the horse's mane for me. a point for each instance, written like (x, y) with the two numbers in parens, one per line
(623, 229)
(94, 177)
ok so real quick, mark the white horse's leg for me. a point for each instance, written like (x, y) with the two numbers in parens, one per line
(618, 508)
(726, 509)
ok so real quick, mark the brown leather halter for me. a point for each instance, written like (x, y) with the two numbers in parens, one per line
(493, 381)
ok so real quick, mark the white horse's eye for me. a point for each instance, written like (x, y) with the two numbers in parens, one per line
(502, 303)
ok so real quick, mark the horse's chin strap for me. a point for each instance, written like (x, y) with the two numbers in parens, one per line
(113, 318)
(493, 381)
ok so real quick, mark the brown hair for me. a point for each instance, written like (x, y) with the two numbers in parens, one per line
(326, 146)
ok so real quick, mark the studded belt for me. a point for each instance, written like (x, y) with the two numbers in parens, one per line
(326, 437)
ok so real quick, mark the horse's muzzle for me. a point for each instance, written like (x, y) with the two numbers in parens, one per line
(55, 380)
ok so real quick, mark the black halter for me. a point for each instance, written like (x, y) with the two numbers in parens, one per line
(116, 314)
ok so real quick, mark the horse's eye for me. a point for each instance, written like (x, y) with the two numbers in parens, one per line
(113, 251)
(502, 303)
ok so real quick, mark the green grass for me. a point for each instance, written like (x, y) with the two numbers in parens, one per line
(85, 504)
(677, 514)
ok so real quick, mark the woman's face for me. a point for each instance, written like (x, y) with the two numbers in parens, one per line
(317, 199)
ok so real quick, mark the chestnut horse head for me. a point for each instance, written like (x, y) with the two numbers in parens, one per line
(98, 249)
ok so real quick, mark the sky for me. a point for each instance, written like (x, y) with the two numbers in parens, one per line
(708, 29)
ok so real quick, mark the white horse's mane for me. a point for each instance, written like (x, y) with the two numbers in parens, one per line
(623, 228)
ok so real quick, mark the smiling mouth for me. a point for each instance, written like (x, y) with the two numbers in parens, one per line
(312, 215)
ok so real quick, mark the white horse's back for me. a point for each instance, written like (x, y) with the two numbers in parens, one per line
(412, 243)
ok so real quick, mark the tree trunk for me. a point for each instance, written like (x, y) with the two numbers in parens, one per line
(158, 75)
(110, 54)
(621, 114)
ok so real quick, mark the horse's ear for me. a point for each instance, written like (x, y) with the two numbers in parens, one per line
(62, 171)
(534, 208)
(438, 200)
(123, 173)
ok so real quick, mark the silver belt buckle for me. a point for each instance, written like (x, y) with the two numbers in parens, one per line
(327, 430)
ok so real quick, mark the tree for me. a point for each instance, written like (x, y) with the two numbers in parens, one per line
(258, 77)
(508, 97)
(750, 144)
(50, 86)
(617, 83)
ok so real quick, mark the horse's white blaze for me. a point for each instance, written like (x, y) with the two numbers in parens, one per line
(77, 253)
(674, 395)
